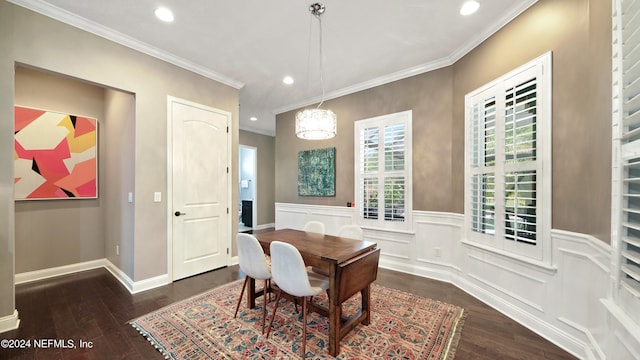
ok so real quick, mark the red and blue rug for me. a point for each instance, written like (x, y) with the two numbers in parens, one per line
(403, 326)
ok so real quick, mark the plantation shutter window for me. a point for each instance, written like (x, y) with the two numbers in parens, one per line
(507, 180)
(626, 150)
(383, 172)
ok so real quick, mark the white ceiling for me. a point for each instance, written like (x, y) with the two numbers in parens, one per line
(253, 44)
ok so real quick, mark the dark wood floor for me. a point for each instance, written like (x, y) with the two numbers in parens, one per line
(93, 306)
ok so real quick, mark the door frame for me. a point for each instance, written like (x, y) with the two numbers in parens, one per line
(169, 190)
(254, 186)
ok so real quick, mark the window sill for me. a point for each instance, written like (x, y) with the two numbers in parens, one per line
(548, 268)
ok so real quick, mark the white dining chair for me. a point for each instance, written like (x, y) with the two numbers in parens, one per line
(255, 265)
(290, 274)
(351, 232)
(314, 226)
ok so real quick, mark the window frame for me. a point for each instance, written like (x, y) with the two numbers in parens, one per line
(404, 117)
(540, 253)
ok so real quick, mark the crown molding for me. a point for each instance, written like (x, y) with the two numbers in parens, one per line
(416, 70)
(497, 25)
(69, 18)
(74, 20)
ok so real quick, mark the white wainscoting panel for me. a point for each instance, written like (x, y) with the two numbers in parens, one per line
(623, 332)
(395, 246)
(568, 303)
(583, 280)
(507, 279)
(436, 246)
(294, 216)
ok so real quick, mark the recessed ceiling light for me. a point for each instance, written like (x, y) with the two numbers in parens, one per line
(287, 80)
(469, 7)
(253, 118)
(164, 14)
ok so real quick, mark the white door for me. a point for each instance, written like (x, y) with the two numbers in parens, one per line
(200, 195)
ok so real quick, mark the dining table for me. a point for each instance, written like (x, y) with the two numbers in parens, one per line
(351, 265)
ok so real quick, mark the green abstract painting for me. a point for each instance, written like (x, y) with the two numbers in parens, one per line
(317, 172)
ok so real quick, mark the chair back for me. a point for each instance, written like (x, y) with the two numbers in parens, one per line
(351, 232)
(251, 257)
(289, 271)
(314, 226)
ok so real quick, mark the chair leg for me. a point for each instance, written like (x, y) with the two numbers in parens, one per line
(304, 326)
(264, 307)
(275, 308)
(270, 290)
(246, 280)
(267, 289)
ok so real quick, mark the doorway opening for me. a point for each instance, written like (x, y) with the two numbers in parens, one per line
(247, 194)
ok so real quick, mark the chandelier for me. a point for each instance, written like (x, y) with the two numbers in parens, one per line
(316, 124)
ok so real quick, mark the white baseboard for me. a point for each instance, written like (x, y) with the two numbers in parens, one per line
(58, 271)
(265, 226)
(413, 269)
(9, 322)
(135, 287)
(124, 279)
(132, 286)
(151, 283)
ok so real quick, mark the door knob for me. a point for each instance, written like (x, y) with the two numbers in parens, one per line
(178, 213)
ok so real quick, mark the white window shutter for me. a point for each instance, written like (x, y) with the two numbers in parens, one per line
(630, 146)
(506, 171)
(383, 175)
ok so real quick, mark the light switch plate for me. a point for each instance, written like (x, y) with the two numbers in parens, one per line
(157, 196)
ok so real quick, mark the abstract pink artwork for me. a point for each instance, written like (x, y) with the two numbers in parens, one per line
(55, 155)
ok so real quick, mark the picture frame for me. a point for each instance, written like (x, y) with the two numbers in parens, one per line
(55, 155)
(317, 172)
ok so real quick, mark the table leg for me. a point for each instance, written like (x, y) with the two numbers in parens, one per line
(251, 293)
(335, 312)
(366, 304)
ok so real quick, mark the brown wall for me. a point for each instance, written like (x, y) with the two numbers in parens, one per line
(118, 160)
(265, 177)
(41, 42)
(51, 233)
(427, 95)
(578, 32)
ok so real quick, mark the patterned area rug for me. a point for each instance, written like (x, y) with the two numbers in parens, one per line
(403, 326)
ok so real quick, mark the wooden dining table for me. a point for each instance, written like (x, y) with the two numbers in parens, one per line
(352, 266)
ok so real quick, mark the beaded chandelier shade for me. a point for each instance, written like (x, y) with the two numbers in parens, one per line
(316, 124)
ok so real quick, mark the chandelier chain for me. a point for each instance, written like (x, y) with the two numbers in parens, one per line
(316, 10)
